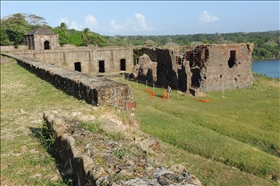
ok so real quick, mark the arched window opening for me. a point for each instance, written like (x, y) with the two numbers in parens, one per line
(232, 59)
(46, 45)
(122, 65)
(101, 66)
(77, 66)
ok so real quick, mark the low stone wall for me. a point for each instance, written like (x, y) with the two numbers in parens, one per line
(12, 48)
(93, 159)
(94, 90)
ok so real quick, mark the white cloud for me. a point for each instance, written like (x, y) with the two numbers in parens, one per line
(141, 22)
(206, 18)
(91, 22)
(74, 25)
(115, 26)
(63, 20)
(136, 23)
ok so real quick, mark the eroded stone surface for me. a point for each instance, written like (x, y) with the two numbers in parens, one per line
(101, 158)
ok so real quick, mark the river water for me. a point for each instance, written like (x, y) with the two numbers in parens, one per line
(269, 67)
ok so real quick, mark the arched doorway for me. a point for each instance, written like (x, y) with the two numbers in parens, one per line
(122, 65)
(46, 45)
(77, 66)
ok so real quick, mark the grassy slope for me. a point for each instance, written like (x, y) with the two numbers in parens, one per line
(191, 126)
(24, 98)
(241, 131)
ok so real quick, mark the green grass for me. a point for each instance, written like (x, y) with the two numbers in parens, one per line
(24, 98)
(215, 140)
(240, 130)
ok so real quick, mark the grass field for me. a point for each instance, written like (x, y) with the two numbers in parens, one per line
(24, 98)
(229, 141)
(239, 131)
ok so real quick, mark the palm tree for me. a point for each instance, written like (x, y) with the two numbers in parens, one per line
(85, 34)
(64, 39)
(63, 28)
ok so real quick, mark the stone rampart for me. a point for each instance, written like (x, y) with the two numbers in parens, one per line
(94, 90)
(12, 48)
(91, 60)
(93, 159)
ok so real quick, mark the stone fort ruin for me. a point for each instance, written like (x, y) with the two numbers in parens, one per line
(204, 68)
(74, 70)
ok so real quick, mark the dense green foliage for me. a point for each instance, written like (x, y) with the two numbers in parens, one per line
(266, 44)
(13, 28)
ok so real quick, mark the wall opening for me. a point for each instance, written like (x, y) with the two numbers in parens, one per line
(101, 66)
(232, 59)
(196, 78)
(122, 65)
(46, 45)
(77, 66)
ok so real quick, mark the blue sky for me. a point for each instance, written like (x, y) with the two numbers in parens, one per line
(153, 17)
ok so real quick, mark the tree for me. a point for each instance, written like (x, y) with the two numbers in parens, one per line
(35, 20)
(15, 27)
(63, 37)
(85, 35)
(63, 28)
(4, 38)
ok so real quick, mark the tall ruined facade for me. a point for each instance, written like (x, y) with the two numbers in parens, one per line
(217, 67)
(155, 66)
(41, 38)
(205, 68)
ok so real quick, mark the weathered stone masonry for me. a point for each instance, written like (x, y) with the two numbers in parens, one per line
(91, 157)
(88, 60)
(218, 67)
(41, 38)
(205, 68)
(94, 90)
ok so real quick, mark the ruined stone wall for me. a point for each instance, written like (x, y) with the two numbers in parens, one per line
(94, 90)
(88, 57)
(94, 159)
(166, 66)
(221, 72)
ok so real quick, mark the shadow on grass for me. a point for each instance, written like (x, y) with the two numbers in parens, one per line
(45, 137)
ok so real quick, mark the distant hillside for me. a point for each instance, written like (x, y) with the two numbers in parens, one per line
(14, 27)
(266, 44)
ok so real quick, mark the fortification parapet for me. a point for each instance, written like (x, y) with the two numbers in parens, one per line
(94, 90)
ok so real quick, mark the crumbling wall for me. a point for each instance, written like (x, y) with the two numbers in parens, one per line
(228, 67)
(145, 69)
(219, 67)
(93, 159)
(166, 66)
(94, 90)
(184, 76)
